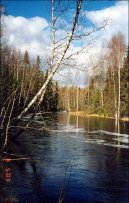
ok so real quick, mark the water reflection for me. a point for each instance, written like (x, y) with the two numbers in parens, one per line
(92, 124)
(81, 161)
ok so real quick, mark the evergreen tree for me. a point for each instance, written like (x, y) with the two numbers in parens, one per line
(56, 97)
(94, 96)
(26, 60)
(37, 63)
(48, 97)
(125, 86)
(109, 93)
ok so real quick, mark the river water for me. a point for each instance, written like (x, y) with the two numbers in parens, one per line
(81, 160)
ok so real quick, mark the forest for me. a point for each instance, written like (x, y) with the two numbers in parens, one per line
(106, 94)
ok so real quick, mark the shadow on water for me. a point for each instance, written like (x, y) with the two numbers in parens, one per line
(82, 160)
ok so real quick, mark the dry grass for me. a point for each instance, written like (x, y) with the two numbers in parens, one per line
(84, 114)
(125, 119)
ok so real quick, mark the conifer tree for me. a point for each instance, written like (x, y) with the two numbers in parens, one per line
(26, 60)
(37, 63)
(125, 86)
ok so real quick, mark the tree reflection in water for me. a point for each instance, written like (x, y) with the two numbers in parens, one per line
(98, 169)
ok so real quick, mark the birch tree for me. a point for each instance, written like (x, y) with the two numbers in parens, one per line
(116, 53)
(60, 46)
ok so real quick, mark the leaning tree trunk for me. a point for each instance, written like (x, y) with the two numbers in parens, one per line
(56, 67)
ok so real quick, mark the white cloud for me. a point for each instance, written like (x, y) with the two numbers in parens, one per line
(32, 34)
(117, 17)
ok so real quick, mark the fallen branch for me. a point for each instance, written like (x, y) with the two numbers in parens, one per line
(8, 160)
(31, 128)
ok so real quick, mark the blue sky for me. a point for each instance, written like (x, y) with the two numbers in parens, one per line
(42, 8)
(27, 8)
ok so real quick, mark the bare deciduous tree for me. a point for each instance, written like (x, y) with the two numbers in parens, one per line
(116, 52)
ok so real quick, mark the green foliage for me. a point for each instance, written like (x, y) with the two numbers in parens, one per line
(12, 82)
(56, 97)
(26, 78)
(48, 98)
(26, 59)
(94, 97)
(37, 63)
(50, 102)
(125, 87)
(95, 100)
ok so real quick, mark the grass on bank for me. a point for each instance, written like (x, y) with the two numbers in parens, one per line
(84, 114)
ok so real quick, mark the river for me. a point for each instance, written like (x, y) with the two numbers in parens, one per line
(81, 160)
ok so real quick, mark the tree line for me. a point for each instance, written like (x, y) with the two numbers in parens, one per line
(108, 90)
(109, 86)
(21, 79)
(106, 93)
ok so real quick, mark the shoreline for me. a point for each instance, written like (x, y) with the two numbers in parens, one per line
(84, 114)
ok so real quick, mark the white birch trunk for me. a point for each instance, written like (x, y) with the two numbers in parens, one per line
(118, 110)
(57, 65)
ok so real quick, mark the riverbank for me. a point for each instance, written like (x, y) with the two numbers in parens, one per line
(84, 114)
